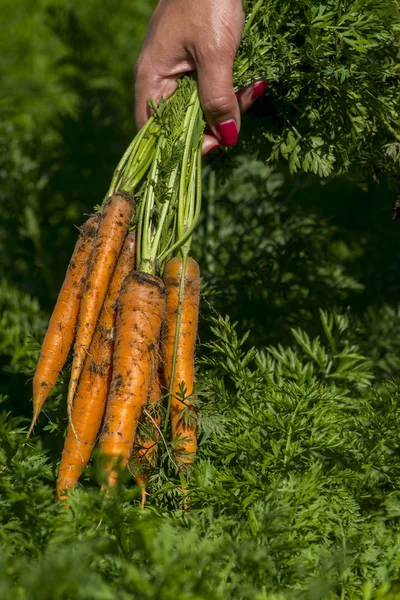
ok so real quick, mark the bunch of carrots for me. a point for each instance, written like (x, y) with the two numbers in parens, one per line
(130, 298)
(129, 307)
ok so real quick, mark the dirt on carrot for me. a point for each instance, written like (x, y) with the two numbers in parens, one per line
(141, 308)
(62, 325)
(113, 228)
(180, 373)
(145, 450)
(90, 400)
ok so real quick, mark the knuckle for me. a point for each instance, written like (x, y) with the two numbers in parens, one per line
(218, 106)
(215, 50)
(201, 53)
(215, 47)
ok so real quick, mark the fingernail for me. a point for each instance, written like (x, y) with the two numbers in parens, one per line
(259, 89)
(227, 132)
(213, 148)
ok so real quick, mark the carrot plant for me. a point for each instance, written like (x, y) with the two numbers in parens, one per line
(295, 491)
(162, 169)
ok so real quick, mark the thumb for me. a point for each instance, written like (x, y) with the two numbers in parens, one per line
(218, 99)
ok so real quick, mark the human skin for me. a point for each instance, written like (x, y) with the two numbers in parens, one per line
(202, 36)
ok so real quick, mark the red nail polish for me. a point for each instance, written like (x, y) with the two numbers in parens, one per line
(259, 89)
(227, 132)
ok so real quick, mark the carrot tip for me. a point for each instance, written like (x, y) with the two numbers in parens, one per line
(143, 498)
(32, 425)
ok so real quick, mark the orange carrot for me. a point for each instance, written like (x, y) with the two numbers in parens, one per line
(181, 376)
(145, 452)
(62, 324)
(113, 227)
(141, 307)
(89, 403)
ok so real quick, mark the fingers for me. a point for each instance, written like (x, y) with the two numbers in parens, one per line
(245, 98)
(148, 84)
(248, 95)
(217, 97)
(210, 142)
(187, 35)
(156, 79)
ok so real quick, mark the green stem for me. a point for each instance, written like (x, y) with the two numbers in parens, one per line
(120, 168)
(136, 177)
(135, 164)
(130, 153)
(191, 115)
(162, 220)
(181, 241)
(191, 192)
(252, 16)
(145, 264)
(139, 233)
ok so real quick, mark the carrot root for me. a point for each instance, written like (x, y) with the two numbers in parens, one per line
(141, 307)
(89, 403)
(180, 373)
(62, 324)
(113, 228)
(145, 451)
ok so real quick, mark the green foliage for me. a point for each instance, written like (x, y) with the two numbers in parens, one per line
(380, 336)
(19, 313)
(278, 263)
(294, 494)
(334, 73)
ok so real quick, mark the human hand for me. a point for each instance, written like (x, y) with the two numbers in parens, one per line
(201, 36)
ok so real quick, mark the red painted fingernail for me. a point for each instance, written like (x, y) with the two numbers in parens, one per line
(259, 89)
(213, 148)
(227, 132)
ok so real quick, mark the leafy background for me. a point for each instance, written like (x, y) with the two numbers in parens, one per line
(295, 493)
